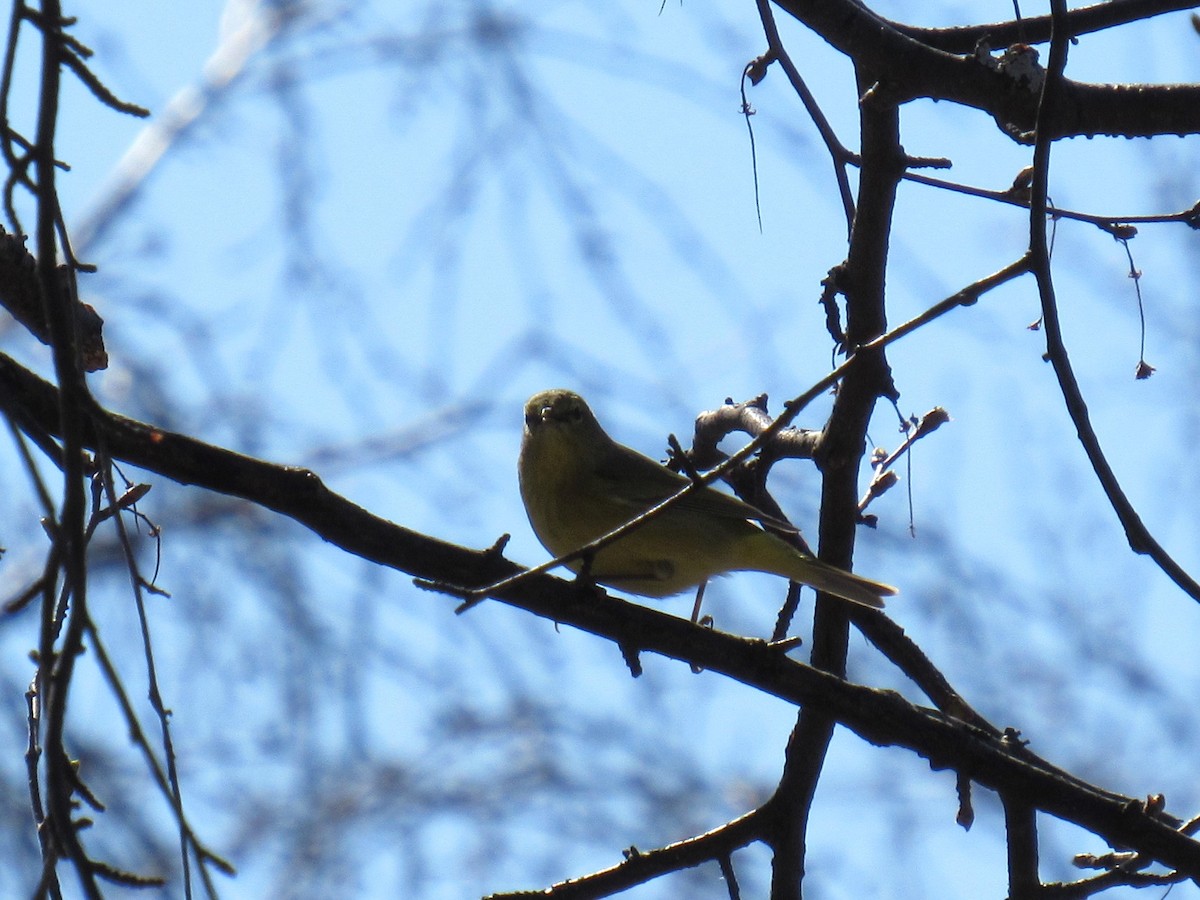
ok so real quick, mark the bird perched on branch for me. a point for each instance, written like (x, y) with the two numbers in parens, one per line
(578, 484)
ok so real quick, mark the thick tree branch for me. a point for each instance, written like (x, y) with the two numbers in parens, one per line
(839, 454)
(1020, 823)
(909, 69)
(1036, 29)
(21, 295)
(880, 717)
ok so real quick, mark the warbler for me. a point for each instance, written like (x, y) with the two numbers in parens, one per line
(579, 484)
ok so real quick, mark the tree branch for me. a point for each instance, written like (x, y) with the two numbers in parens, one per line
(909, 69)
(1020, 821)
(1139, 536)
(880, 717)
(1036, 29)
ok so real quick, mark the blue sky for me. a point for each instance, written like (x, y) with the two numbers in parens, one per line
(574, 206)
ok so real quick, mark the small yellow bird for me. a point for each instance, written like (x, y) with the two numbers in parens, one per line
(579, 484)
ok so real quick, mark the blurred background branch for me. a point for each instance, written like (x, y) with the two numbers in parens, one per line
(355, 237)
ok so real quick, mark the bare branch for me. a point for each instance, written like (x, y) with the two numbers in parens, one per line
(1139, 536)
(1036, 29)
(908, 69)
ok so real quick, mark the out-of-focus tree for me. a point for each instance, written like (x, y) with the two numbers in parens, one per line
(330, 269)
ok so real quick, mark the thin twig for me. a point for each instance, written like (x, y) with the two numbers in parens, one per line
(1143, 369)
(138, 737)
(639, 867)
(837, 151)
(175, 793)
(1110, 223)
(1140, 539)
(747, 112)
(965, 297)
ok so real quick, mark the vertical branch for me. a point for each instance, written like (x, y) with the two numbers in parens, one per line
(56, 667)
(1020, 821)
(16, 167)
(840, 457)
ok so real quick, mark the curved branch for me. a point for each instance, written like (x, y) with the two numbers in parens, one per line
(1139, 536)
(638, 867)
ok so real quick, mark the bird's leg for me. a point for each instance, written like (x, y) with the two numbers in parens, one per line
(699, 601)
(585, 564)
(706, 622)
(583, 578)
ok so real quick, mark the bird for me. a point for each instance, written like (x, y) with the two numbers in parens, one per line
(578, 484)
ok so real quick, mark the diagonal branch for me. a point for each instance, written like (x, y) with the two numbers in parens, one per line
(1139, 536)
(639, 867)
(837, 151)
(881, 717)
(32, 404)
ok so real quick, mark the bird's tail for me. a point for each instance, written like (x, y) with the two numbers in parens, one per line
(841, 583)
(772, 554)
(766, 552)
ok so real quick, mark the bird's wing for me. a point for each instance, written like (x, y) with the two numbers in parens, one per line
(717, 503)
(655, 483)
